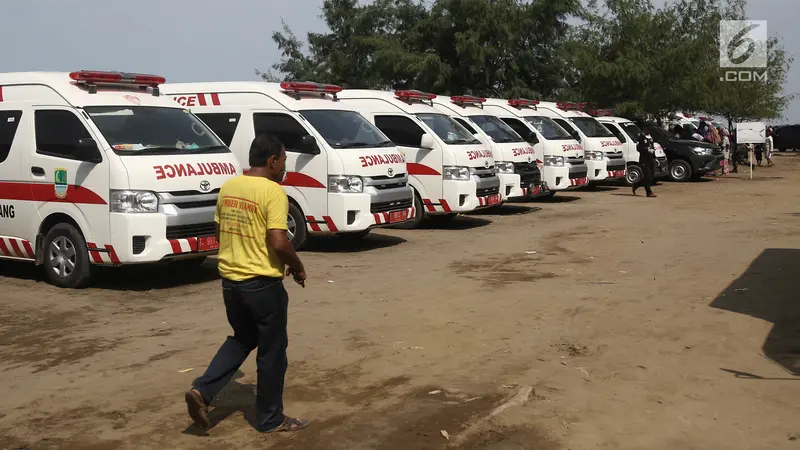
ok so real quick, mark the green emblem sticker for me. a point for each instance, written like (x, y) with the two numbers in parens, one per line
(61, 183)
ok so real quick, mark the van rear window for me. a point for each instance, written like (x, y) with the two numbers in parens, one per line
(9, 122)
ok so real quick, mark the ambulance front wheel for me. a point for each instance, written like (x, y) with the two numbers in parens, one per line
(633, 175)
(66, 257)
(296, 223)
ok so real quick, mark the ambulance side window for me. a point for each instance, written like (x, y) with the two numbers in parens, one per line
(520, 128)
(401, 130)
(284, 126)
(9, 121)
(223, 124)
(465, 124)
(58, 132)
(616, 131)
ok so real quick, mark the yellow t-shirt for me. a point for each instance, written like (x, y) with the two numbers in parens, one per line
(246, 208)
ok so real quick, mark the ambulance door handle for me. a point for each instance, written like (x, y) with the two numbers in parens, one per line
(38, 171)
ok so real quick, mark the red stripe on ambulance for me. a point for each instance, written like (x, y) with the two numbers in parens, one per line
(16, 248)
(420, 169)
(45, 192)
(97, 254)
(189, 100)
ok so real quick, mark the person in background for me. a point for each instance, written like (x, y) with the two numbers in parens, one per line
(254, 248)
(726, 151)
(759, 151)
(768, 146)
(646, 150)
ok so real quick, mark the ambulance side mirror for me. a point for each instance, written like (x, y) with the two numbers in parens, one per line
(480, 139)
(426, 142)
(308, 145)
(88, 151)
(531, 138)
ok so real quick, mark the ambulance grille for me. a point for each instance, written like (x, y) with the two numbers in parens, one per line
(192, 230)
(578, 174)
(487, 191)
(390, 206)
(199, 204)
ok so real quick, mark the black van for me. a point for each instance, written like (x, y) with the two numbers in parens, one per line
(687, 158)
(787, 137)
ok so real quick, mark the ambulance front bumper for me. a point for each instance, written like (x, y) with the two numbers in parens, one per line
(374, 208)
(466, 196)
(510, 185)
(597, 170)
(146, 238)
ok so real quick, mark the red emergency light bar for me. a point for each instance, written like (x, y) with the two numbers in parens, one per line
(705, 119)
(414, 95)
(601, 112)
(467, 100)
(310, 86)
(92, 78)
(688, 115)
(568, 106)
(520, 102)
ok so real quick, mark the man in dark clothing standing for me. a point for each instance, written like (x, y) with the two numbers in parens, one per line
(646, 151)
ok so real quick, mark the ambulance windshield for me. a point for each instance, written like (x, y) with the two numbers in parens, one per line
(498, 130)
(153, 130)
(548, 128)
(591, 127)
(450, 131)
(345, 129)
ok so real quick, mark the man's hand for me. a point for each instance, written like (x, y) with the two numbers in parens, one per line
(299, 276)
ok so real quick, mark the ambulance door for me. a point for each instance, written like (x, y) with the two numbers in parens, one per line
(424, 165)
(226, 123)
(18, 218)
(306, 173)
(69, 174)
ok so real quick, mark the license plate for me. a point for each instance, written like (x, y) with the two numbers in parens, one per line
(493, 199)
(207, 243)
(619, 173)
(398, 216)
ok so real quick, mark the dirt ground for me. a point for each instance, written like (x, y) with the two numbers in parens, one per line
(668, 323)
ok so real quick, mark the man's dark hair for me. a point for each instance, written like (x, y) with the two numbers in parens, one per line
(264, 147)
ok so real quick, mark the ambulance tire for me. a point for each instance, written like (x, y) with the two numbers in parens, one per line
(633, 174)
(419, 214)
(300, 228)
(70, 238)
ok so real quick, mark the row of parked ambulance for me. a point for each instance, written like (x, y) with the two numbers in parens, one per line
(107, 168)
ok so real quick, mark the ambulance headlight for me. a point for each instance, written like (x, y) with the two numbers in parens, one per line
(504, 166)
(345, 184)
(133, 202)
(701, 151)
(594, 156)
(554, 161)
(457, 173)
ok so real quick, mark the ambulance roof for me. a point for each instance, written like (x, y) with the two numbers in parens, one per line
(287, 99)
(612, 119)
(75, 94)
(390, 97)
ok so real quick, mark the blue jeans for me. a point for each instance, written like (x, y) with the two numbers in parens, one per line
(257, 311)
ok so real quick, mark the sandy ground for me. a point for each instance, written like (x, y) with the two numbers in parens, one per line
(668, 323)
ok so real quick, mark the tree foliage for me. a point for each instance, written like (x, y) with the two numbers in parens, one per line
(626, 54)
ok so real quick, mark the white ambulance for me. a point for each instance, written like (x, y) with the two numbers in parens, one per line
(514, 158)
(101, 168)
(628, 133)
(559, 155)
(602, 150)
(342, 174)
(450, 170)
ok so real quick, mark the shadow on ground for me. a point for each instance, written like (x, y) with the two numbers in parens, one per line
(768, 290)
(558, 198)
(351, 244)
(507, 210)
(457, 223)
(128, 278)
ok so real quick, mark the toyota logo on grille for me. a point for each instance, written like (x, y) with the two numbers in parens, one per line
(486, 164)
(390, 172)
(205, 186)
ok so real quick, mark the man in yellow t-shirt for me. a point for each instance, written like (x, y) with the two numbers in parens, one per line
(254, 247)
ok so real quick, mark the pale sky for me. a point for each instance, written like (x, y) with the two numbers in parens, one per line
(196, 40)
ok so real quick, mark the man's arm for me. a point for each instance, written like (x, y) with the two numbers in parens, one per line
(279, 240)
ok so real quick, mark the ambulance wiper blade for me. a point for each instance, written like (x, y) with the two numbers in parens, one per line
(212, 149)
(385, 144)
(149, 151)
(355, 145)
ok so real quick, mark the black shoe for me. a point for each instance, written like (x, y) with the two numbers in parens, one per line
(634, 189)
